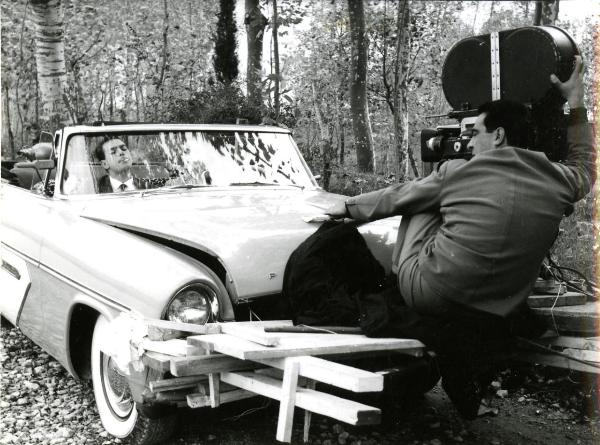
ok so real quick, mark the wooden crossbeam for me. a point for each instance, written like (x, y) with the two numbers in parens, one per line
(336, 374)
(343, 410)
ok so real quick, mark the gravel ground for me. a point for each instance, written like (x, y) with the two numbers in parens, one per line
(41, 404)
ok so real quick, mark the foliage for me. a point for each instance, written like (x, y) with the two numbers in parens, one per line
(217, 103)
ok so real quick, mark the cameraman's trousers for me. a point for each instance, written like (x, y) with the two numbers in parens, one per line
(414, 231)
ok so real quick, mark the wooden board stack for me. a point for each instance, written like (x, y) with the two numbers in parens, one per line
(571, 341)
(224, 362)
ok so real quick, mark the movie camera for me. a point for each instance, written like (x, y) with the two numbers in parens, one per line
(514, 64)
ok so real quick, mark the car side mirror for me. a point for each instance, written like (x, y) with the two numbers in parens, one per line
(318, 177)
(40, 164)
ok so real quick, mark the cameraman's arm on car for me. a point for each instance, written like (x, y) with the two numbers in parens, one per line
(416, 196)
(580, 141)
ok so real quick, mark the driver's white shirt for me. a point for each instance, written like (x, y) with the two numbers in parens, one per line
(115, 184)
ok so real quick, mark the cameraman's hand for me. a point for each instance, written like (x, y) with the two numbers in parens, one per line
(338, 210)
(572, 88)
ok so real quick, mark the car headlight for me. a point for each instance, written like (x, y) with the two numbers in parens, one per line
(196, 304)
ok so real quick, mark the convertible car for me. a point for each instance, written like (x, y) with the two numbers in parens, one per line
(203, 235)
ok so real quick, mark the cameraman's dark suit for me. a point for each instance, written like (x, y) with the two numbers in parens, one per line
(481, 227)
(470, 247)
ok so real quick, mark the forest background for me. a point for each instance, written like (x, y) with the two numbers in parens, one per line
(354, 80)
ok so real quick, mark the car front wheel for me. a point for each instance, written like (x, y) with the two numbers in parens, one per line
(118, 412)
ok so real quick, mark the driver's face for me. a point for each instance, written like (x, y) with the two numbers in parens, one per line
(117, 156)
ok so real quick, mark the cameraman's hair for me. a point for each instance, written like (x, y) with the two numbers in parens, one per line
(510, 115)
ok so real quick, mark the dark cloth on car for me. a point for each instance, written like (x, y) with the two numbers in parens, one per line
(326, 275)
(499, 215)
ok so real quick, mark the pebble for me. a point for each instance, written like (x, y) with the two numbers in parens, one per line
(502, 393)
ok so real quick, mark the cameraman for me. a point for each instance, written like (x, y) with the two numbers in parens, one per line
(474, 233)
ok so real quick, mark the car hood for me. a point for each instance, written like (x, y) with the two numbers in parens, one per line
(252, 231)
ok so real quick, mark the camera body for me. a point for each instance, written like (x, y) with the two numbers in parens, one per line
(447, 142)
(515, 65)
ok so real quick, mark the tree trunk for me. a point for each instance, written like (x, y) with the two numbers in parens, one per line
(276, 60)
(225, 58)
(255, 23)
(160, 85)
(7, 124)
(546, 12)
(361, 126)
(325, 143)
(50, 59)
(400, 99)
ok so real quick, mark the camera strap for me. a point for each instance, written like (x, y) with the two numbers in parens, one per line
(495, 64)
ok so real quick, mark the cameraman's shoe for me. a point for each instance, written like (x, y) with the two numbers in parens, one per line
(464, 390)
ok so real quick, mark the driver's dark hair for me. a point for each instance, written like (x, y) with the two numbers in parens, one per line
(510, 115)
(99, 151)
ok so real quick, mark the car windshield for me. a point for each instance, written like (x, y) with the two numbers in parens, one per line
(99, 162)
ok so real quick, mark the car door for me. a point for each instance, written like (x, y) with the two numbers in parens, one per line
(22, 224)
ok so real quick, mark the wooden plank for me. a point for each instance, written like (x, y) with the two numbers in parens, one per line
(335, 407)
(587, 343)
(316, 329)
(171, 396)
(155, 360)
(556, 361)
(292, 345)
(588, 356)
(336, 374)
(177, 383)
(287, 402)
(208, 328)
(173, 347)
(308, 415)
(566, 299)
(582, 319)
(201, 400)
(255, 334)
(206, 364)
(255, 331)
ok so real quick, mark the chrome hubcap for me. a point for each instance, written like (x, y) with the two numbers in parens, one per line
(116, 388)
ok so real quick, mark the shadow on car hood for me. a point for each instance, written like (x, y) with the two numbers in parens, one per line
(251, 230)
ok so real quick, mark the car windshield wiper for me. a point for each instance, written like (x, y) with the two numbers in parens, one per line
(172, 188)
(185, 186)
(265, 184)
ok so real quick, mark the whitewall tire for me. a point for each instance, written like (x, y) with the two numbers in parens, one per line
(113, 399)
(116, 407)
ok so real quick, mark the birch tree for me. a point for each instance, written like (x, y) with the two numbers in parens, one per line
(50, 59)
